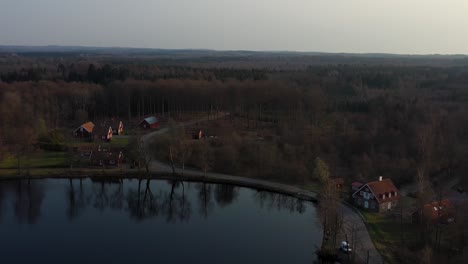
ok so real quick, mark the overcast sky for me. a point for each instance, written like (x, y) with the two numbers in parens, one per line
(390, 26)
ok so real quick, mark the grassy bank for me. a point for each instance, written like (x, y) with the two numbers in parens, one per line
(45, 159)
(117, 141)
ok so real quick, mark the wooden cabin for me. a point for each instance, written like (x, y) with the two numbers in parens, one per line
(84, 131)
(151, 122)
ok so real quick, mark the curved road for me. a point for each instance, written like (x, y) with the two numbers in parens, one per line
(354, 228)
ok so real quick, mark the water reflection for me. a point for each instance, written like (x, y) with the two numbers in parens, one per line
(26, 199)
(280, 202)
(141, 199)
(205, 202)
(139, 219)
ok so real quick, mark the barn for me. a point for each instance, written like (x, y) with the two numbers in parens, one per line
(85, 130)
(150, 123)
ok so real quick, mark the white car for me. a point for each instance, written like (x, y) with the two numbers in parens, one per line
(345, 247)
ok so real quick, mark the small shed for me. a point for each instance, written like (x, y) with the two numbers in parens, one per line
(151, 122)
(85, 130)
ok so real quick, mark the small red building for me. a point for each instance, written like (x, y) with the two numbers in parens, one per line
(85, 130)
(437, 212)
(150, 123)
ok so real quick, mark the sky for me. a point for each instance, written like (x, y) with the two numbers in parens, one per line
(357, 26)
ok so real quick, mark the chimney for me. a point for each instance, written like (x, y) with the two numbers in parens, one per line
(380, 178)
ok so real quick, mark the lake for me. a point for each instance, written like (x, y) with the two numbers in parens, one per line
(157, 221)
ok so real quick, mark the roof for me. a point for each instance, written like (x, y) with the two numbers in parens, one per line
(88, 126)
(151, 120)
(384, 190)
(443, 208)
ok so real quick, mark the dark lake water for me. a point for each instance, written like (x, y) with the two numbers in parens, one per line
(63, 221)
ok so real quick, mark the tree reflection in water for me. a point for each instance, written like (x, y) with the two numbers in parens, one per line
(28, 200)
(226, 194)
(270, 200)
(204, 198)
(146, 199)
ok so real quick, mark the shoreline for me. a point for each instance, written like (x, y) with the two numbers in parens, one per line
(263, 185)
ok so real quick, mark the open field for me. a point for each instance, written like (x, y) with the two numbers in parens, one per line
(43, 159)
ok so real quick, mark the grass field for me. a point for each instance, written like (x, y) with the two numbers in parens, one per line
(46, 159)
(117, 141)
(387, 232)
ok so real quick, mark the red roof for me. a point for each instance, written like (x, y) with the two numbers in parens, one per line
(88, 126)
(443, 209)
(383, 191)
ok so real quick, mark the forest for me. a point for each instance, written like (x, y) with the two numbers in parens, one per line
(363, 120)
(407, 122)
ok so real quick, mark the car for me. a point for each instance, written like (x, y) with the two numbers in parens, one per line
(345, 247)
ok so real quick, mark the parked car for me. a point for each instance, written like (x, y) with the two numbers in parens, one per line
(345, 247)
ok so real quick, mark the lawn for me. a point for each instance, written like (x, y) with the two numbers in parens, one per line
(46, 159)
(117, 141)
(387, 232)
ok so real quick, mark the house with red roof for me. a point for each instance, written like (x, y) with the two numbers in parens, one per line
(442, 211)
(377, 196)
(151, 122)
(84, 131)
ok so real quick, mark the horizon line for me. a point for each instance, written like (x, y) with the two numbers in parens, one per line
(229, 50)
